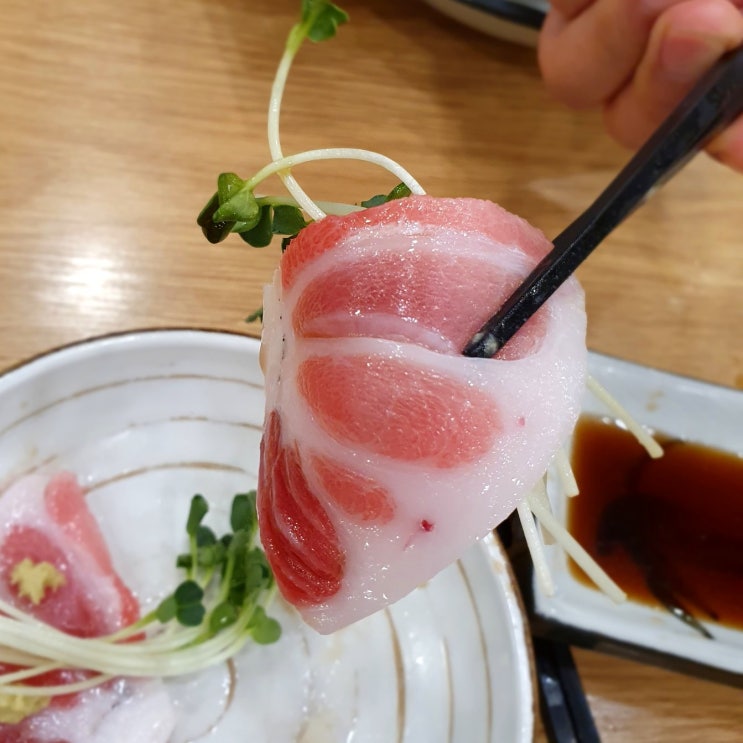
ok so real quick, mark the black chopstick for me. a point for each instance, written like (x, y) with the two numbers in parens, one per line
(714, 103)
(566, 715)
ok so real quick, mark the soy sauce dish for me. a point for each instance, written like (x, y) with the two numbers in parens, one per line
(669, 531)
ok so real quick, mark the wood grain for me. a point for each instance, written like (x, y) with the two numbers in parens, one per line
(116, 118)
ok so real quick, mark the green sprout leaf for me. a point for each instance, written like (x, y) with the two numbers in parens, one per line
(239, 542)
(223, 615)
(229, 581)
(228, 184)
(189, 592)
(321, 19)
(166, 610)
(189, 608)
(242, 514)
(377, 200)
(263, 629)
(260, 235)
(398, 192)
(242, 207)
(205, 536)
(199, 509)
(255, 315)
(191, 615)
(213, 231)
(254, 577)
(209, 556)
(287, 220)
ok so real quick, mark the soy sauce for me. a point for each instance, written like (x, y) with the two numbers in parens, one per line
(669, 531)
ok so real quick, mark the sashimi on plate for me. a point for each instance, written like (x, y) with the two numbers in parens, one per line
(55, 566)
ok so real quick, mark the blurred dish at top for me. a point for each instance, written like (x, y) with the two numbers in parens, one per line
(517, 21)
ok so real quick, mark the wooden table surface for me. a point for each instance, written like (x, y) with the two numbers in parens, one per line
(115, 119)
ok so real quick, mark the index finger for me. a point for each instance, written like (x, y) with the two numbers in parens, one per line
(568, 9)
(589, 59)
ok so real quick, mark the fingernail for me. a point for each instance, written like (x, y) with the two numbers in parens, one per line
(684, 59)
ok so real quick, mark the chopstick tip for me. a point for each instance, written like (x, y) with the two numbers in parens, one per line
(482, 345)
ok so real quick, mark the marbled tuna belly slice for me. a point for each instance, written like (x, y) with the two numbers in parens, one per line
(47, 521)
(401, 411)
(386, 452)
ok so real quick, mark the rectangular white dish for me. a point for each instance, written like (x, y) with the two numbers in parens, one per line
(683, 408)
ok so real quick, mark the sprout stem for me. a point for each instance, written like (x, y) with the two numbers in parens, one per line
(336, 153)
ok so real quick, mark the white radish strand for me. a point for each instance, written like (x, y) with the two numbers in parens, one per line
(43, 648)
(565, 473)
(652, 447)
(19, 615)
(539, 493)
(102, 661)
(50, 691)
(29, 672)
(592, 569)
(536, 549)
(329, 207)
(17, 658)
(538, 503)
(336, 153)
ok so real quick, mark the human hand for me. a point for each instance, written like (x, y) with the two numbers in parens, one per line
(637, 58)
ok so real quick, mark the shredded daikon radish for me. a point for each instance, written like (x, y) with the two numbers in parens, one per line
(9, 610)
(539, 493)
(151, 657)
(536, 549)
(17, 658)
(652, 447)
(335, 153)
(565, 473)
(329, 207)
(29, 672)
(50, 691)
(592, 569)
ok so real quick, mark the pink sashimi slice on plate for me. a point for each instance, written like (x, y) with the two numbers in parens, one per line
(386, 453)
(46, 521)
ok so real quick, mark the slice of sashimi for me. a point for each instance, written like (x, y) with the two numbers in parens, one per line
(351, 294)
(415, 215)
(47, 520)
(370, 398)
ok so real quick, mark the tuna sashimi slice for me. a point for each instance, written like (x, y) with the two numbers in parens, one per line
(47, 520)
(386, 452)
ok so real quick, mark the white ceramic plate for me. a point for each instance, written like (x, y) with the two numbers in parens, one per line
(148, 419)
(687, 409)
